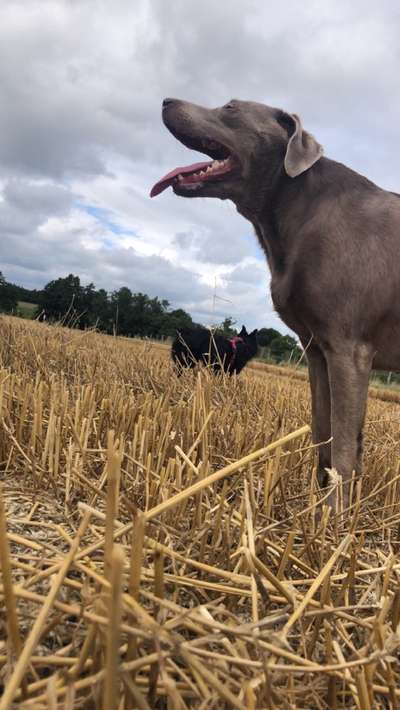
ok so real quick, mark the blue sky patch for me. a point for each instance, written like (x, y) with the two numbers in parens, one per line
(104, 217)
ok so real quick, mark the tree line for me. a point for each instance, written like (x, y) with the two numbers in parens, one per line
(123, 312)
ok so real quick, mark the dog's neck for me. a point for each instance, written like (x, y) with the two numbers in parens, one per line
(284, 204)
(235, 340)
(264, 216)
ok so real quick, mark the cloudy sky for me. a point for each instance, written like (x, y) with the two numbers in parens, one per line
(81, 138)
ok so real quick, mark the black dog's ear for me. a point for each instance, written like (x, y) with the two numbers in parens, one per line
(302, 149)
(254, 333)
(243, 331)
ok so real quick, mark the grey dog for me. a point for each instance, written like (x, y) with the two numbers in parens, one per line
(332, 242)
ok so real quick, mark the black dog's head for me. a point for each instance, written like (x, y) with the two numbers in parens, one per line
(249, 341)
(245, 348)
(249, 144)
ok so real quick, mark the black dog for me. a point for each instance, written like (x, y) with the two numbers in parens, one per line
(200, 345)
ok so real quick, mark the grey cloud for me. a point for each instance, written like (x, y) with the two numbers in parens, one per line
(82, 85)
(40, 258)
(250, 273)
(74, 96)
(43, 199)
(26, 205)
(185, 240)
(151, 274)
(215, 246)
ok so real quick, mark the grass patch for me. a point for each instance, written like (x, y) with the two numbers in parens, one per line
(27, 310)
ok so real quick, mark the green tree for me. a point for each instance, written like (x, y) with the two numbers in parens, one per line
(122, 310)
(63, 300)
(101, 310)
(8, 299)
(27, 295)
(176, 320)
(265, 336)
(143, 311)
(284, 348)
(226, 328)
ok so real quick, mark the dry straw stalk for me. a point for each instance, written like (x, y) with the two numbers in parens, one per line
(163, 541)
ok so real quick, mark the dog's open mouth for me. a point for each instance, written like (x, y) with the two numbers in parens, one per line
(192, 177)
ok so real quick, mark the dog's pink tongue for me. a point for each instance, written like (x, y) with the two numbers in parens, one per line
(167, 180)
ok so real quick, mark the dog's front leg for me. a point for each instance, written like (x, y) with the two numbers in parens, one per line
(321, 408)
(349, 367)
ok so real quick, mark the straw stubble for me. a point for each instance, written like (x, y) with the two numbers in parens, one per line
(166, 541)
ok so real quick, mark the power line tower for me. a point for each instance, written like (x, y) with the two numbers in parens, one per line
(217, 298)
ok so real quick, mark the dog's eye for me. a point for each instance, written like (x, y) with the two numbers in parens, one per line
(230, 105)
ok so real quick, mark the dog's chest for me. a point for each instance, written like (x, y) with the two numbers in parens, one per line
(287, 302)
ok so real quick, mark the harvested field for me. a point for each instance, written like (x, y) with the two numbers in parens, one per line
(167, 545)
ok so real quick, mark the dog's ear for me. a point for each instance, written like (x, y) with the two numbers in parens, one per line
(302, 150)
(243, 332)
(254, 333)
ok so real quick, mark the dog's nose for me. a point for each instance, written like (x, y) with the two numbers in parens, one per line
(168, 102)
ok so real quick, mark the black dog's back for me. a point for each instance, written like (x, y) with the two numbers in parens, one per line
(200, 345)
